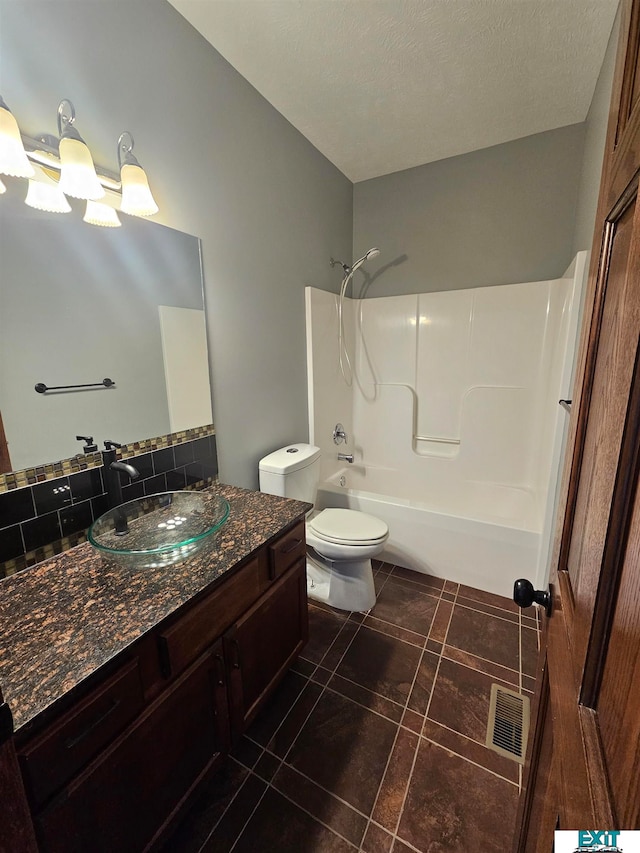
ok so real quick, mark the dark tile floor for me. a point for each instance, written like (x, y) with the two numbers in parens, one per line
(375, 739)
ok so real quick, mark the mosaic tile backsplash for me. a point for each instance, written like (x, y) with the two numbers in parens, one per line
(47, 510)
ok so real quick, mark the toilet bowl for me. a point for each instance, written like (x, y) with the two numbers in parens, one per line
(340, 542)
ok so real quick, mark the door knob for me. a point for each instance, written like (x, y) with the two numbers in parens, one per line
(525, 595)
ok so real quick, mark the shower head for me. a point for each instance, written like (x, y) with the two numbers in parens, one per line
(372, 253)
(349, 270)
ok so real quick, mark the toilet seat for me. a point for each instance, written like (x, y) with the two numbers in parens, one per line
(348, 527)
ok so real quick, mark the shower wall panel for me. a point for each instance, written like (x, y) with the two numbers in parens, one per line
(454, 399)
(476, 366)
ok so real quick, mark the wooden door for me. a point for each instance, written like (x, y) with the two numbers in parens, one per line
(584, 758)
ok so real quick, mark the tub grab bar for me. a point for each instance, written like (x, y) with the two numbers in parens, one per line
(438, 439)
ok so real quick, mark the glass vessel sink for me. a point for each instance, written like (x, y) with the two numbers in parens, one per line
(159, 530)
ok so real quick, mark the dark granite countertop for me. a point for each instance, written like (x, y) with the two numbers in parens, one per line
(68, 616)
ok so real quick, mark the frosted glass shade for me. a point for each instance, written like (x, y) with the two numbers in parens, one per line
(13, 159)
(45, 194)
(78, 174)
(136, 195)
(101, 214)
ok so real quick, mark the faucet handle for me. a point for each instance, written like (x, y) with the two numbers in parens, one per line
(110, 445)
(339, 435)
(89, 446)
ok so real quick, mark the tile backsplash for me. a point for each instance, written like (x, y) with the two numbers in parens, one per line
(46, 510)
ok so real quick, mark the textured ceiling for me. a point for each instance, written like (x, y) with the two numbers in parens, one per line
(383, 85)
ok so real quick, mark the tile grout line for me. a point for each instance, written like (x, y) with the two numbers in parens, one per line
(466, 757)
(385, 622)
(316, 784)
(395, 740)
(424, 650)
(323, 686)
(422, 735)
(475, 669)
(415, 755)
(494, 615)
(264, 749)
(306, 720)
(455, 600)
(253, 811)
(302, 808)
(372, 692)
(229, 804)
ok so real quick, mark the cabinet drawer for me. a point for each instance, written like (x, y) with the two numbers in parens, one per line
(181, 642)
(51, 759)
(285, 552)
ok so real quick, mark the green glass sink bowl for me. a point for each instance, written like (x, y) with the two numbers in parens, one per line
(159, 530)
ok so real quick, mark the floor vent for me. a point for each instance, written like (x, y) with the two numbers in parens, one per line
(508, 727)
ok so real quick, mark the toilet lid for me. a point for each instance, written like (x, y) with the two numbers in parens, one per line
(348, 525)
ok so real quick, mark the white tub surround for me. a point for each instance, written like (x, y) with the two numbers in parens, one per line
(454, 421)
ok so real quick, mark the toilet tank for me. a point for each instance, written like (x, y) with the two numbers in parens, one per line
(291, 472)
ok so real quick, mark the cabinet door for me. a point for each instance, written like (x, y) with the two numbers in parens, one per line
(125, 797)
(262, 645)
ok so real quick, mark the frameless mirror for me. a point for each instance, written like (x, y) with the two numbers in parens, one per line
(80, 304)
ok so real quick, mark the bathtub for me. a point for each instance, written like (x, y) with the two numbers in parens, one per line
(485, 535)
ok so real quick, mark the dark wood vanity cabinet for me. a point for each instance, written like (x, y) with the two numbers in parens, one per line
(116, 769)
(124, 798)
(263, 643)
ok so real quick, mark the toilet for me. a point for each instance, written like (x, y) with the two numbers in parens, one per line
(340, 542)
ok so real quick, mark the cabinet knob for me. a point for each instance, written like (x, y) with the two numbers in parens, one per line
(525, 595)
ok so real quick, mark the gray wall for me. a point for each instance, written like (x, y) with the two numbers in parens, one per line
(595, 136)
(495, 216)
(224, 166)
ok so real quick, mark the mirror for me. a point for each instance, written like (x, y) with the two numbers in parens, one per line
(80, 304)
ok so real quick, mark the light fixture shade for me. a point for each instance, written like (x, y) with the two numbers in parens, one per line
(3, 189)
(45, 194)
(13, 159)
(101, 214)
(77, 173)
(136, 195)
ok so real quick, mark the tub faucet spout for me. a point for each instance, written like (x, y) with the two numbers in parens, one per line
(346, 457)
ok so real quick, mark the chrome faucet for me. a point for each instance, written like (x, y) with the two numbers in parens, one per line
(339, 435)
(346, 457)
(112, 469)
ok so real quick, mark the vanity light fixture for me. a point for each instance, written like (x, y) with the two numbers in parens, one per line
(98, 213)
(78, 176)
(64, 167)
(136, 195)
(13, 158)
(44, 192)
